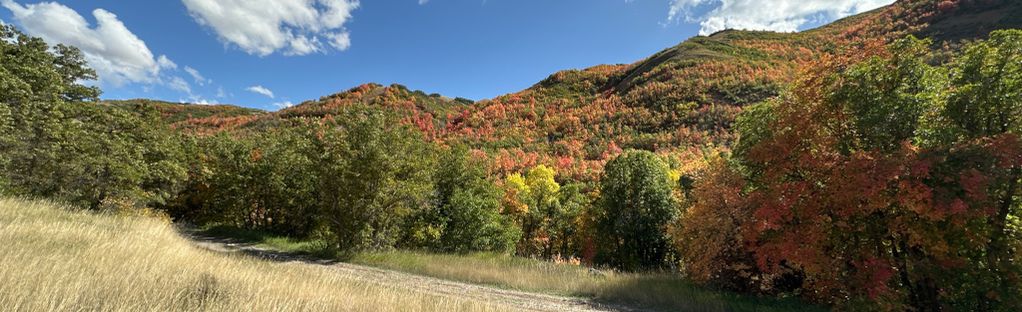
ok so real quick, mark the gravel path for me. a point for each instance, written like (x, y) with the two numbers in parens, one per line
(516, 300)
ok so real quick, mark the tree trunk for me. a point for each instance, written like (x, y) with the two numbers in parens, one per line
(997, 253)
(898, 251)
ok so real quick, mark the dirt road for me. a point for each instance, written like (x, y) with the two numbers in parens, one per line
(516, 300)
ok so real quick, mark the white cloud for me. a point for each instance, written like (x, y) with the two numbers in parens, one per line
(117, 55)
(284, 104)
(220, 92)
(165, 62)
(421, 2)
(262, 27)
(776, 15)
(181, 85)
(197, 76)
(260, 90)
(196, 100)
(178, 84)
(340, 41)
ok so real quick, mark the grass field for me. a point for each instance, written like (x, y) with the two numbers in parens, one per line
(668, 292)
(56, 259)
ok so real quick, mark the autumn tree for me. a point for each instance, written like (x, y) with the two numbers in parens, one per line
(879, 180)
(536, 194)
(710, 235)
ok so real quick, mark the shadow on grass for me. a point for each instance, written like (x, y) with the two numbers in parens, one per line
(268, 245)
(664, 292)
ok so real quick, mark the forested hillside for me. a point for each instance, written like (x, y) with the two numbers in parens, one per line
(873, 163)
(177, 114)
(678, 102)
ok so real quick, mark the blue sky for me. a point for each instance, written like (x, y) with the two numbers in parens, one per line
(268, 53)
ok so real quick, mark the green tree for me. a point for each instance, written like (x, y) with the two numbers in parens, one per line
(64, 145)
(7, 139)
(121, 157)
(219, 185)
(466, 211)
(474, 222)
(38, 89)
(265, 182)
(287, 180)
(984, 102)
(884, 97)
(985, 95)
(636, 205)
(374, 176)
(567, 226)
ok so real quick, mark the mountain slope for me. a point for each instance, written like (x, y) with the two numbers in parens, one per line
(189, 116)
(680, 101)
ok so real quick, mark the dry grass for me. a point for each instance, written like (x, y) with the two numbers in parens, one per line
(667, 292)
(55, 259)
(494, 269)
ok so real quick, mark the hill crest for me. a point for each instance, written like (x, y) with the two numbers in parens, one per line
(679, 101)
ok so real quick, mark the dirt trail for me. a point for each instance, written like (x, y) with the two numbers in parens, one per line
(516, 300)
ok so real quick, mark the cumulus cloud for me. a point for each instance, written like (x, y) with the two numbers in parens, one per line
(262, 27)
(260, 90)
(117, 55)
(776, 15)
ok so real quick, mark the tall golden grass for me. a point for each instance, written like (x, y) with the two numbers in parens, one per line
(660, 291)
(498, 270)
(53, 258)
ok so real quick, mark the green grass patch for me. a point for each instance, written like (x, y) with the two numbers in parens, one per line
(311, 247)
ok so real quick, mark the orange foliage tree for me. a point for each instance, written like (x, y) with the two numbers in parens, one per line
(879, 180)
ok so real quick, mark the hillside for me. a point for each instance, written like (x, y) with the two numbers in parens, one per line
(852, 166)
(188, 116)
(680, 101)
